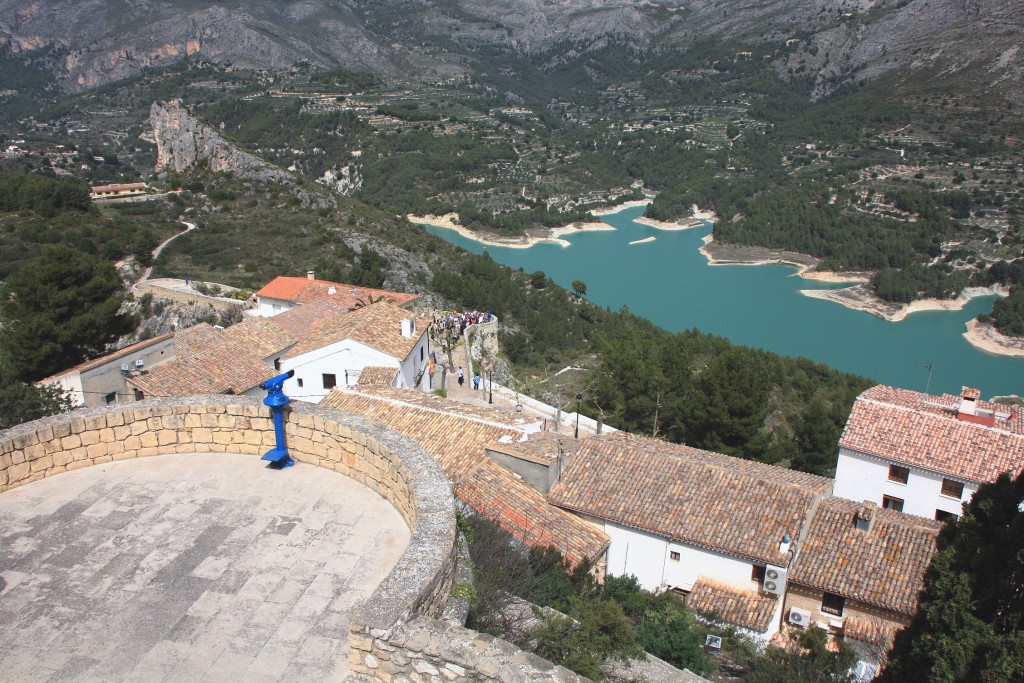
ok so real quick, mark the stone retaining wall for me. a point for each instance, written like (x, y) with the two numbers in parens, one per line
(426, 650)
(395, 467)
(220, 303)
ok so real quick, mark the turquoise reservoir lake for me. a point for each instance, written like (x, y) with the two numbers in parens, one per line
(669, 282)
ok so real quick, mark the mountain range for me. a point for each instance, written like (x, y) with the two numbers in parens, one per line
(972, 44)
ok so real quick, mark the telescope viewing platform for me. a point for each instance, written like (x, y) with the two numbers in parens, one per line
(198, 567)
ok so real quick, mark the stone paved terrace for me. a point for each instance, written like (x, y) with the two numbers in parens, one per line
(198, 567)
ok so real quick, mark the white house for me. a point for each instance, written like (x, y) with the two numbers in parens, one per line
(334, 352)
(926, 455)
(713, 528)
(285, 293)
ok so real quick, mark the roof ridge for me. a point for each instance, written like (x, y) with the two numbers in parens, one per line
(435, 411)
(914, 411)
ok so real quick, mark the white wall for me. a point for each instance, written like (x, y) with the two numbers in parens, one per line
(860, 477)
(647, 557)
(267, 307)
(412, 365)
(332, 359)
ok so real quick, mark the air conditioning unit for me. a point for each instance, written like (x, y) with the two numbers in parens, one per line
(125, 367)
(799, 617)
(774, 580)
(140, 363)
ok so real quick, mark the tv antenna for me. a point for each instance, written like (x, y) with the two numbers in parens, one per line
(928, 366)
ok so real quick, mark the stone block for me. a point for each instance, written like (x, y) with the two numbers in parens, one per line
(115, 419)
(79, 454)
(122, 432)
(70, 442)
(17, 473)
(167, 437)
(132, 443)
(96, 450)
(106, 435)
(202, 435)
(149, 440)
(95, 423)
(90, 437)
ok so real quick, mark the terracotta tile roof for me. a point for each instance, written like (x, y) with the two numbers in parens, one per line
(302, 319)
(303, 290)
(748, 609)
(883, 567)
(514, 421)
(923, 431)
(543, 447)
(110, 357)
(456, 439)
(870, 630)
(231, 361)
(686, 494)
(378, 326)
(378, 374)
(521, 510)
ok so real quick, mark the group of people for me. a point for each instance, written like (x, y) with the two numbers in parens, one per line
(462, 378)
(456, 323)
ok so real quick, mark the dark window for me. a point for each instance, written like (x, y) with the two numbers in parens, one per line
(277, 363)
(139, 395)
(943, 516)
(299, 380)
(899, 473)
(953, 489)
(110, 398)
(757, 574)
(422, 351)
(330, 381)
(673, 555)
(832, 604)
(890, 503)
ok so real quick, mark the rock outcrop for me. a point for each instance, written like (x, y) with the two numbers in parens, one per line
(184, 142)
(838, 41)
(344, 181)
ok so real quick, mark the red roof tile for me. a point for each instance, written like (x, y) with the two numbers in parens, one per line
(883, 567)
(870, 630)
(923, 431)
(456, 436)
(303, 290)
(698, 497)
(378, 326)
(376, 374)
(748, 609)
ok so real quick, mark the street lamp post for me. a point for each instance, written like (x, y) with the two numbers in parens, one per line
(579, 397)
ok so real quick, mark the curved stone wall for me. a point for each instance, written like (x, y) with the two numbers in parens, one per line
(395, 467)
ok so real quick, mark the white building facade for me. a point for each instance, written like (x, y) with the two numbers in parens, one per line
(926, 455)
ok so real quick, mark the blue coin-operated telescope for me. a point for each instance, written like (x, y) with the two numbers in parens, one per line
(276, 401)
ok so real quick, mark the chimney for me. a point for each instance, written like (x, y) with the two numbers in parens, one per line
(864, 518)
(332, 290)
(408, 328)
(968, 401)
(310, 274)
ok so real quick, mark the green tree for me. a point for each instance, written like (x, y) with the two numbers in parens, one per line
(809, 662)
(730, 404)
(969, 624)
(579, 288)
(21, 402)
(63, 307)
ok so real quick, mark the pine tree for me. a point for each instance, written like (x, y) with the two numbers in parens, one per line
(970, 622)
(63, 307)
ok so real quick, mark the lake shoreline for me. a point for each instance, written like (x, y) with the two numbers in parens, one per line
(986, 337)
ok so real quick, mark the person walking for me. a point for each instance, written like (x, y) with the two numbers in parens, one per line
(462, 376)
(476, 381)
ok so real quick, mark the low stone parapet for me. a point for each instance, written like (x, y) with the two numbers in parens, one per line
(431, 651)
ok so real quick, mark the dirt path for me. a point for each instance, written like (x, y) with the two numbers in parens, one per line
(156, 252)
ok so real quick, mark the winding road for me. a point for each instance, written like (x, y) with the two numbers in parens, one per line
(156, 252)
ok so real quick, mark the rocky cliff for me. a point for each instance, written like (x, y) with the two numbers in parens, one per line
(974, 42)
(184, 142)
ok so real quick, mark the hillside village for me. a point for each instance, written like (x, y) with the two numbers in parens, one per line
(766, 549)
